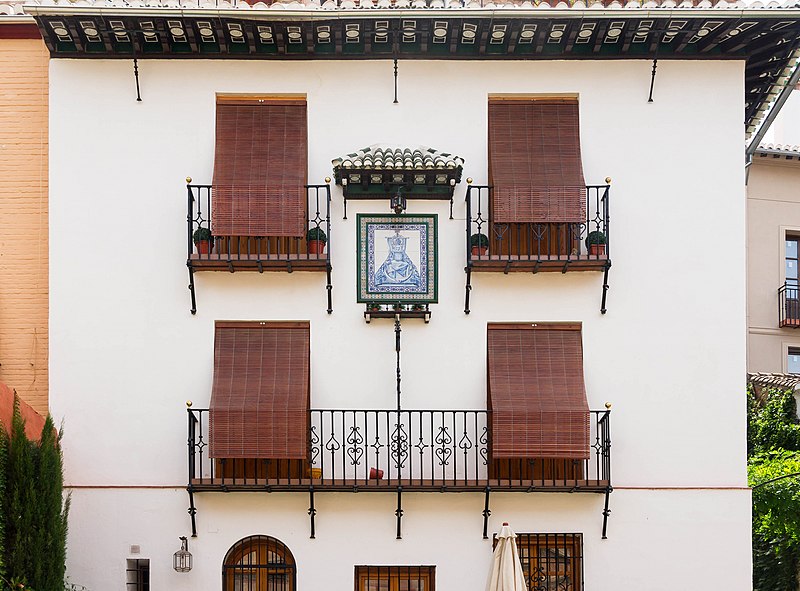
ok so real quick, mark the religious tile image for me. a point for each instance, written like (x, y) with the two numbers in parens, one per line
(397, 258)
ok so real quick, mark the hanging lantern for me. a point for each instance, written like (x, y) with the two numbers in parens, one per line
(182, 559)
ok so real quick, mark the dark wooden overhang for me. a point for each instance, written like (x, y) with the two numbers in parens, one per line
(768, 39)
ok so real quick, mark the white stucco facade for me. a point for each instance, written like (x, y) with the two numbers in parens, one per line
(125, 353)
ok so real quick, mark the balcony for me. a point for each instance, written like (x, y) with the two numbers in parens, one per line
(789, 306)
(209, 252)
(257, 253)
(409, 450)
(534, 247)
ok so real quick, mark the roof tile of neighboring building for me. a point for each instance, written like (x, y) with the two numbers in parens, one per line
(16, 8)
(789, 152)
(774, 380)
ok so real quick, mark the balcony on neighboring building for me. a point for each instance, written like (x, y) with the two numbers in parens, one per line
(386, 450)
(789, 305)
(533, 246)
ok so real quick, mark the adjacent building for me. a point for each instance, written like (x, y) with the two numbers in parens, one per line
(457, 352)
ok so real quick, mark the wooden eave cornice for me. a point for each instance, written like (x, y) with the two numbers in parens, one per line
(768, 39)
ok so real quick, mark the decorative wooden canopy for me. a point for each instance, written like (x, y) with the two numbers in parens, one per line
(260, 395)
(536, 391)
(425, 29)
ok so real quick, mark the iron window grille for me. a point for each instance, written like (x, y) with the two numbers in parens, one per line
(137, 574)
(552, 561)
(259, 563)
(395, 578)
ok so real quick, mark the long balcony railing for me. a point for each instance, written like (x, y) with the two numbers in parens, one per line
(258, 253)
(556, 246)
(789, 305)
(424, 450)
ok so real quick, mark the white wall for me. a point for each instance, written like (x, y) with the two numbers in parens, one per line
(657, 540)
(670, 354)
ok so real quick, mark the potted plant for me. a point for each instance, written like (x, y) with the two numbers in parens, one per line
(596, 243)
(203, 240)
(316, 240)
(373, 306)
(479, 243)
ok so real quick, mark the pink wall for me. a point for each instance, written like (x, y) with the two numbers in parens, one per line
(33, 420)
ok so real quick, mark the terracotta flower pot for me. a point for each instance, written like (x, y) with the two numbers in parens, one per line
(479, 250)
(597, 249)
(204, 246)
(316, 247)
(375, 474)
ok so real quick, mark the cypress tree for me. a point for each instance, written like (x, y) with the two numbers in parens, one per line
(51, 535)
(35, 510)
(3, 504)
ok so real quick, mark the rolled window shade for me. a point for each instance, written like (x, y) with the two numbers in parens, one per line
(535, 161)
(260, 169)
(536, 392)
(260, 394)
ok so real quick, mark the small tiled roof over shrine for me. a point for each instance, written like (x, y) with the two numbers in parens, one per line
(765, 34)
(379, 169)
(388, 157)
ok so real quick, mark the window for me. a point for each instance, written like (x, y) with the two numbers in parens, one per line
(260, 167)
(551, 562)
(259, 399)
(539, 203)
(536, 392)
(793, 360)
(137, 574)
(791, 264)
(395, 578)
(259, 563)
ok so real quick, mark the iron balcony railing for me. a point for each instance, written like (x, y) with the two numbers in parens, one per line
(789, 305)
(415, 449)
(257, 251)
(574, 245)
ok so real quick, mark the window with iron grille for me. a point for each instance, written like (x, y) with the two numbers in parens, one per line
(259, 563)
(395, 578)
(551, 562)
(137, 575)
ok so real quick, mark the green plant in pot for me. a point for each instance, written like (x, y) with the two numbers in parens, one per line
(203, 240)
(317, 239)
(596, 243)
(479, 243)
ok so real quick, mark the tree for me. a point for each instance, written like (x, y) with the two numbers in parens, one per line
(34, 509)
(774, 474)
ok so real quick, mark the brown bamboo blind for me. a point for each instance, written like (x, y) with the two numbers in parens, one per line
(260, 168)
(536, 391)
(260, 393)
(535, 161)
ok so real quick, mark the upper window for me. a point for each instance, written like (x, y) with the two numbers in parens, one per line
(552, 562)
(791, 262)
(395, 578)
(260, 167)
(793, 360)
(535, 160)
(259, 563)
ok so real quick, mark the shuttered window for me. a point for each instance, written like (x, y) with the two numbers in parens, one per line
(535, 161)
(260, 394)
(536, 391)
(260, 168)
